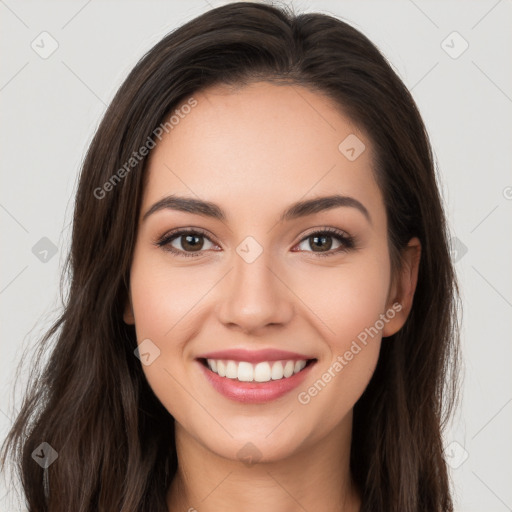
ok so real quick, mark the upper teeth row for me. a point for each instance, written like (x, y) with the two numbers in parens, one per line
(260, 372)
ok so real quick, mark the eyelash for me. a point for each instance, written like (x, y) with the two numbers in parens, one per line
(348, 242)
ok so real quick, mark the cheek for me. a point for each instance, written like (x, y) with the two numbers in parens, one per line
(164, 300)
(346, 299)
(158, 308)
(163, 297)
(348, 302)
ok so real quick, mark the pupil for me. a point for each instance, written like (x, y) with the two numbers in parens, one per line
(192, 246)
(323, 240)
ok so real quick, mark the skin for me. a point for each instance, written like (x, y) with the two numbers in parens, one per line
(254, 151)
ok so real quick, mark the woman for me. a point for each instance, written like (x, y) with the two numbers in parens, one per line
(262, 310)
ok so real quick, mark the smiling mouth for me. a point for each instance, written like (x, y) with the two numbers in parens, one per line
(264, 371)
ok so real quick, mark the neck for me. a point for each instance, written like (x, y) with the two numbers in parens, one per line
(316, 477)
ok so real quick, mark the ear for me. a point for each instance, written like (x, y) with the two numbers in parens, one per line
(128, 316)
(403, 288)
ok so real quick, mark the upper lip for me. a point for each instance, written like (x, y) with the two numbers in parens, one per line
(254, 356)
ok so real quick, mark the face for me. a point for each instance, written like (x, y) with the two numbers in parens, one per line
(252, 293)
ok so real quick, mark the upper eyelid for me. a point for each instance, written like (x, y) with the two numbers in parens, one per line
(185, 231)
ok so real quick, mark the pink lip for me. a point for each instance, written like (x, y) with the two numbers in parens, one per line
(254, 392)
(254, 356)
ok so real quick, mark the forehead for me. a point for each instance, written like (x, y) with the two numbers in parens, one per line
(263, 142)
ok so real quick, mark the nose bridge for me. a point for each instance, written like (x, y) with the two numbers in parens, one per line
(255, 295)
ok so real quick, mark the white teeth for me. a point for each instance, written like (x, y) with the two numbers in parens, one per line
(245, 372)
(277, 370)
(299, 365)
(289, 367)
(260, 372)
(231, 370)
(221, 368)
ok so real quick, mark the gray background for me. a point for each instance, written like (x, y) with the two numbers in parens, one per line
(51, 106)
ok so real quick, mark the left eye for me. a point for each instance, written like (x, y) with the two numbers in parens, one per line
(322, 240)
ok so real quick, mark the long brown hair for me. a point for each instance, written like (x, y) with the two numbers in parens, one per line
(90, 401)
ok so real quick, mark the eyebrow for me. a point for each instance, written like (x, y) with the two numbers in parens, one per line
(296, 210)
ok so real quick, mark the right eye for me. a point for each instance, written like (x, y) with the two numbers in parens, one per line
(184, 242)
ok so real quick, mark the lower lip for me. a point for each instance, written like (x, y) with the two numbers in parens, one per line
(254, 392)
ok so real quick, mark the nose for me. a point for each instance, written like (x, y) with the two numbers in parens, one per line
(255, 296)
